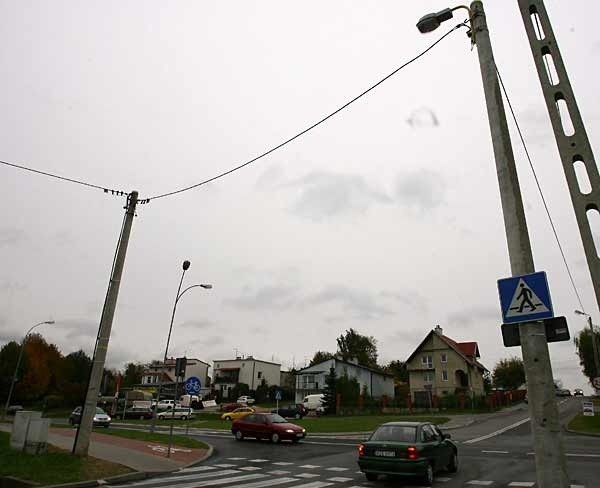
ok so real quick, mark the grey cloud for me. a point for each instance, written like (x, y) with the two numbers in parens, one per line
(198, 324)
(412, 299)
(470, 316)
(409, 336)
(274, 297)
(10, 236)
(329, 194)
(270, 177)
(421, 190)
(79, 328)
(209, 341)
(359, 303)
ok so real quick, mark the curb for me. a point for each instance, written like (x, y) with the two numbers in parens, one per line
(587, 434)
(133, 476)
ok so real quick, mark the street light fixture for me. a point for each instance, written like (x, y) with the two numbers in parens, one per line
(430, 22)
(186, 265)
(14, 379)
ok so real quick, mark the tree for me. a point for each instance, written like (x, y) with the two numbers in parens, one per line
(398, 370)
(585, 351)
(352, 345)
(8, 362)
(487, 382)
(330, 392)
(132, 375)
(509, 373)
(42, 372)
(320, 357)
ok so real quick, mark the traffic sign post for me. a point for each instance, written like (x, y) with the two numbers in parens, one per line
(277, 398)
(192, 385)
(525, 298)
(556, 330)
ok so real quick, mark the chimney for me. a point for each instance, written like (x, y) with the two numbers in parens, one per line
(438, 330)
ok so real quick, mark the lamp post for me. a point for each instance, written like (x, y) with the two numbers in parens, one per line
(185, 266)
(550, 461)
(594, 344)
(14, 378)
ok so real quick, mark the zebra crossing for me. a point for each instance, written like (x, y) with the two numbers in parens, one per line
(239, 472)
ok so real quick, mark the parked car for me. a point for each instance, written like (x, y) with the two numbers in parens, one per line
(563, 392)
(237, 413)
(245, 399)
(312, 402)
(578, 392)
(167, 404)
(267, 426)
(296, 411)
(137, 413)
(101, 418)
(177, 413)
(413, 449)
(229, 407)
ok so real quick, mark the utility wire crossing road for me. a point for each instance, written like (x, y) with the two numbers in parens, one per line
(242, 472)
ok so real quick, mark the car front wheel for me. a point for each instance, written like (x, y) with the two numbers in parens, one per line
(428, 478)
(275, 438)
(228, 417)
(453, 464)
(239, 436)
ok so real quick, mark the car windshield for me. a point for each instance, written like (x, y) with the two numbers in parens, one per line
(275, 419)
(397, 433)
(100, 411)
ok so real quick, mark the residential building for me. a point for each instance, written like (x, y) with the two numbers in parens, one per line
(227, 373)
(441, 366)
(194, 367)
(311, 380)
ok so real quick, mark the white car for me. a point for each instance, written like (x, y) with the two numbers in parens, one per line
(245, 399)
(178, 413)
(167, 404)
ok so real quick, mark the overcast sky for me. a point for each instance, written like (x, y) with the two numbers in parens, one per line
(386, 218)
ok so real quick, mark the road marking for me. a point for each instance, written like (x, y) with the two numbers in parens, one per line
(522, 483)
(577, 486)
(307, 475)
(236, 459)
(264, 483)
(282, 463)
(479, 483)
(223, 481)
(278, 472)
(258, 460)
(225, 465)
(337, 469)
(310, 466)
(193, 476)
(495, 452)
(339, 479)
(314, 484)
(196, 469)
(443, 480)
(354, 444)
(583, 455)
(250, 468)
(498, 432)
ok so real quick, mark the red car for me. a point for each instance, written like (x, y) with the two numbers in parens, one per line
(267, 426)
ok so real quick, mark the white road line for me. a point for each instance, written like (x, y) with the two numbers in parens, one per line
(479, 483)
(196, 469)
(495, 452)
(583, 455)
(236, 459)
(498, 432)
(337, 469)
(223, 481)
(225, 465)
(307, 475)
(191, 477)
(261, 484)
(250, 468)
(258, 460)
(525, 484)
(282, 463)
(278, 472)
(313, 484)
(339, 479)
(355, 444)
(443, 480)
(577, 486)
(310, 466)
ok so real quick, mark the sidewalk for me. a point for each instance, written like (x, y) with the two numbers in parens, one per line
(141, 456)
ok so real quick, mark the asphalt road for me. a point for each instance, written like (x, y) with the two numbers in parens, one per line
(495, 453)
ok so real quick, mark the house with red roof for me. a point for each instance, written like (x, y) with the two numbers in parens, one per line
(441, 366)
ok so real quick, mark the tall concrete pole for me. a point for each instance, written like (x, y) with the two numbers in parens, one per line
(550, 463)
(82, 439)
(594, 347)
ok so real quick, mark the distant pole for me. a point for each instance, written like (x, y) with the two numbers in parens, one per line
(594, 347)
(173, 414)
(82, 438)
(550, 461)
(19, 358)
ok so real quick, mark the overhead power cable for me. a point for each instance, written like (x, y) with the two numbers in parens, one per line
(64, 178)
(309, 128)
(539, 187)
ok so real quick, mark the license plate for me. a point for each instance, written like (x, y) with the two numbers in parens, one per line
(299, 435)
(385, 453)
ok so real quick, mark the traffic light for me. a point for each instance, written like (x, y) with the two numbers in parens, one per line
(180, 364)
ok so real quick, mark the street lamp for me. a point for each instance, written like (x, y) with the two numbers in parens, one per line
(186, 265)
(593, 338)
(14, 379)
(550, 458)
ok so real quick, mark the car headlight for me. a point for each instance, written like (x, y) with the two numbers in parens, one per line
(303, 431)
(289, 431)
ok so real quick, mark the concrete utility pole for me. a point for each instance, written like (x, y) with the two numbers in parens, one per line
(573, 145)
(594, 346)
(549, 452)
(82, 438)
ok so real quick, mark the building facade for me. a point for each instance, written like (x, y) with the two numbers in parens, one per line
(311, 380)
(441, 366)
(227, 373)
(194, 367)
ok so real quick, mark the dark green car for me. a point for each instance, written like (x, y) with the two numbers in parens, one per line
(416, 449)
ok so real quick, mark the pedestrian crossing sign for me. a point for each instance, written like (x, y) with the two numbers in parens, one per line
(525, 298)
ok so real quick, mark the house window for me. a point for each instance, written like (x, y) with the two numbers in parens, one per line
(259, 375)
(428, 377)
(444, 375)
(427, 361)
(444, 358)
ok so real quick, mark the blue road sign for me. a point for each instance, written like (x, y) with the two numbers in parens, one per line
(525, 298)
(192, 385)
(278, 395)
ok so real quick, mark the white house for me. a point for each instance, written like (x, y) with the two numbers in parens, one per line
(227, 373)
(194, 367)
(312, 379)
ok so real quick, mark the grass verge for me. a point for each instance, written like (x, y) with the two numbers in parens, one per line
(587, 425)
(57, 466)
(140, 435)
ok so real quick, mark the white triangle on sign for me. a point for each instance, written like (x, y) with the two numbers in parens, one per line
(525, 302)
